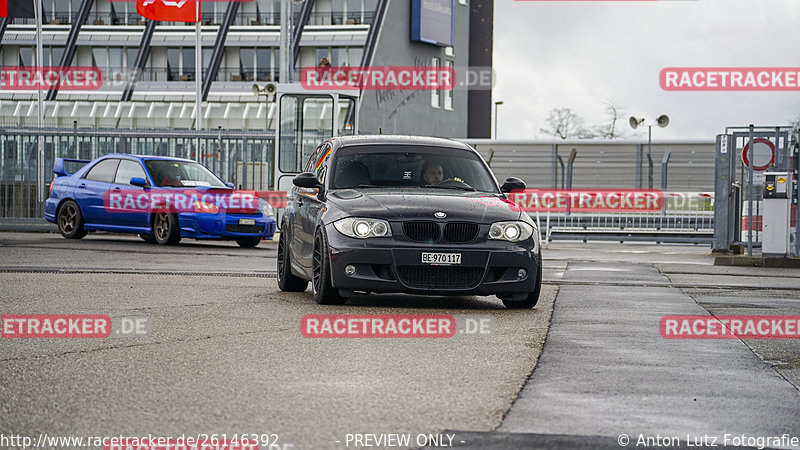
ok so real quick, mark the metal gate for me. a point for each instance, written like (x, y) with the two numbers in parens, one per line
(738, 185)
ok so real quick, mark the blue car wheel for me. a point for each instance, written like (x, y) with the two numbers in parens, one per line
(249, 242)
(70, 220)
(166, 229)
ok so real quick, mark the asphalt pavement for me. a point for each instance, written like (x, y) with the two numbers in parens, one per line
(225, 353)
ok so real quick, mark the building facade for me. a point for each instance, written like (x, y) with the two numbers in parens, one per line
(241, 42)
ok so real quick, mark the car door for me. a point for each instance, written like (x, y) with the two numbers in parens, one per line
(302, 229)
(137, 220)
(314, 207)
(91, 190)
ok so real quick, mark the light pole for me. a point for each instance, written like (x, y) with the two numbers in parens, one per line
(496, 104)
(635, 123)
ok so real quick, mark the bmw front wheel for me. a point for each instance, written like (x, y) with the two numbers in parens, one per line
(532, 298)
(324, 293)
(287, 281)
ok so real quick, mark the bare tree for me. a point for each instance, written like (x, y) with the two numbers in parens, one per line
(608, 129)
(796, 122)
(564, 124)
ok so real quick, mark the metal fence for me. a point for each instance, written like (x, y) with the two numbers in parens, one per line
(685, 217)
(240, 157)
(244, 158)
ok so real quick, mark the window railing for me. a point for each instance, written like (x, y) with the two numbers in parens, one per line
(208, 18)
(342, 18)
(225, 74)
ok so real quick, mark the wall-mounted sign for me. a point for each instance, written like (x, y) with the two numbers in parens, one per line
(433, 21)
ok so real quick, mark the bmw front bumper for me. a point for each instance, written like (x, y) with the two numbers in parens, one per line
(488, 267)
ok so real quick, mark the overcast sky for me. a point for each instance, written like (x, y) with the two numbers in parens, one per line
(550, 54)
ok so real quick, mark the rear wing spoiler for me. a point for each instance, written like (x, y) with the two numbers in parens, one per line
(64, 166)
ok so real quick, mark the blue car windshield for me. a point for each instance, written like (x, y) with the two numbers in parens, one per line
(367, 166)
(171, 173)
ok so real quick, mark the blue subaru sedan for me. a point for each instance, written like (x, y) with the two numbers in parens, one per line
(161, 199)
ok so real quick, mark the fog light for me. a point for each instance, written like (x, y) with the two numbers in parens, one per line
(522, 273)
(349, 270)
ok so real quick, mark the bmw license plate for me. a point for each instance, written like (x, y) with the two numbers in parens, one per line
(247, 221)
(441, 259)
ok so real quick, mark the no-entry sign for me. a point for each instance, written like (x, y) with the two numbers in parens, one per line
(762, 156)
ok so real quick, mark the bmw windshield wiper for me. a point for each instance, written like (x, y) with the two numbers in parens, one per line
(463, 188)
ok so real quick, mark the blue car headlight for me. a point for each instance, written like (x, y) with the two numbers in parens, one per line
(266, 208)
(362, 228)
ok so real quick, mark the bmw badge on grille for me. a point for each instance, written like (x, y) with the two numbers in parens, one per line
(439, 215)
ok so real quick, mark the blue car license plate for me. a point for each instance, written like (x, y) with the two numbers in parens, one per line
(247, 221)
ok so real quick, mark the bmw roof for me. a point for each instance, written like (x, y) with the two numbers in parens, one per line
(384, 139)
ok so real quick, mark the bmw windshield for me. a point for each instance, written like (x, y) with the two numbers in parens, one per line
(385, 166)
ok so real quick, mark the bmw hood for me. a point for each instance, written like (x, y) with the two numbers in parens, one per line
(424, 204)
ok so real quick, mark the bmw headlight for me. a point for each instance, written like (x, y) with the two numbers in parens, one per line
(266, 208)
(362, 228)
(510, 231)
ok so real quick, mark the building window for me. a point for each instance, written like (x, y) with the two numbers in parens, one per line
(173, 64)
(463, 2)
(265, 70)
(340, 56)
(247, 60)
(130, 54)
(436, 100)
(345, 12)
(60, 12)
(255, 64)
(449, 51)
(448, 93)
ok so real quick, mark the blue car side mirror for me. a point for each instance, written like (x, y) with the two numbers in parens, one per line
(139, 181)
(230, 185)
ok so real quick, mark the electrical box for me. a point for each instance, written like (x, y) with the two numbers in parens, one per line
(776, 220)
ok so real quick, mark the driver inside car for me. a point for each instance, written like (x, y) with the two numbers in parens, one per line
(433, 174)
(170, 177)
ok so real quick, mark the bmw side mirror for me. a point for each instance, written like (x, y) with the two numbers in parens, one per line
(308, 180)
(138, 181)
(512, 184)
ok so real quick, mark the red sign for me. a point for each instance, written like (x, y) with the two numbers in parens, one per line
(167, 10)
